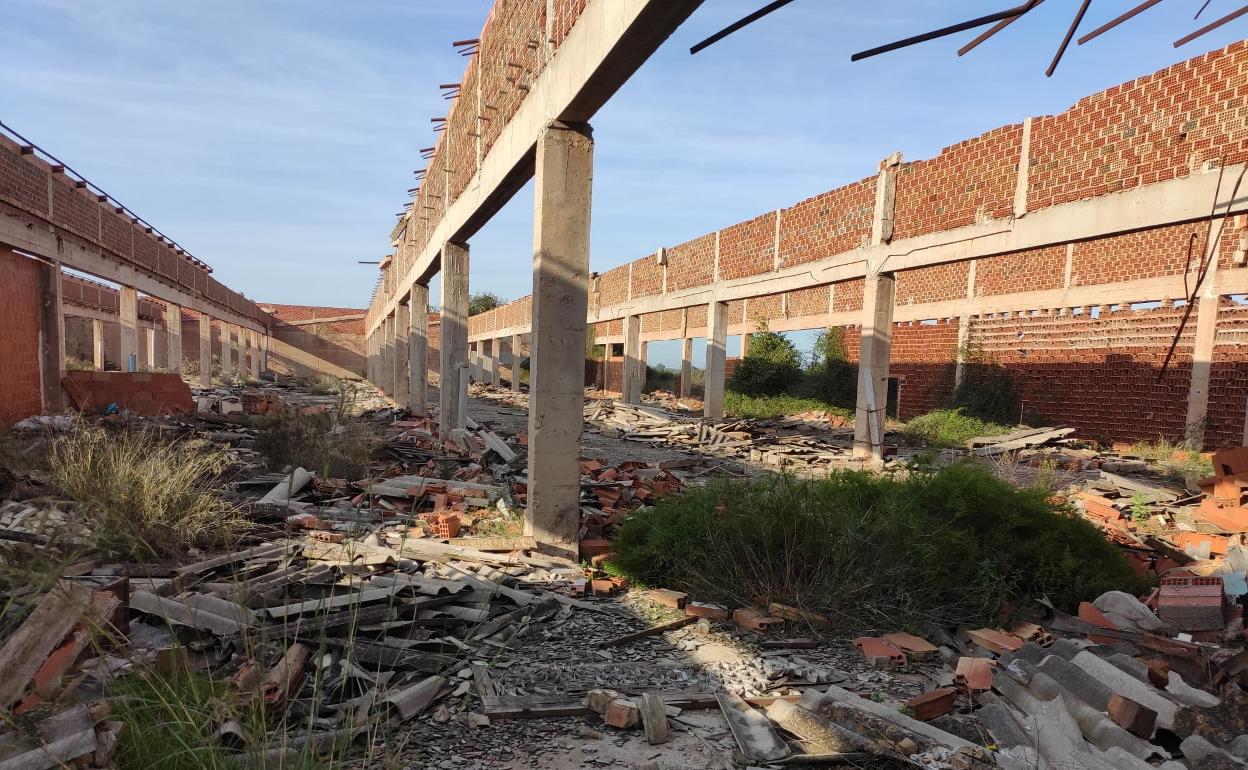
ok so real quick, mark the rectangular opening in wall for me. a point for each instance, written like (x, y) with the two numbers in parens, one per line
(894, 397)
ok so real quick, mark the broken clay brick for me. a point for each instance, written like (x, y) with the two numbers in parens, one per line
(673, 599)
(879, 653)
(1133, 717)
(756, 620)
(935, 703)
(707, 610)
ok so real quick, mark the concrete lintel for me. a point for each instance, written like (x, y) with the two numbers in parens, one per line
(16, 233)
(1174, 201)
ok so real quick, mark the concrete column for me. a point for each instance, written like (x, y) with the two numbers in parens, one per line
(205, 350)
(173, 336)
(97, 344)
(475, 367)
(149, 346)
(643, 368)
(254, 339)
(402, 352)
(686, 367)
(236, 347)
(418, 350)
(877, 335)
(517, 353)
(390, 360)
(227, 351)
(630, 381)
(498, 363)
(51, 338)
(745, 343)
(453, 393)
(564, 180)
(1202, 353)
(716, 352)
(128, 317)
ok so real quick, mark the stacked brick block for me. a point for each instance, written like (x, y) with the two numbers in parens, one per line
(20, 394)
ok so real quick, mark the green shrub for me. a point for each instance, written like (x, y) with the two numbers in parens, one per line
(772, 366)
(951, 428)
(763, 407)
(146, 496)
(327, 443)
(872, 552)
(987, 390)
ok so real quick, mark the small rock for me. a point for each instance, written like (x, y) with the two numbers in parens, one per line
(477, 720)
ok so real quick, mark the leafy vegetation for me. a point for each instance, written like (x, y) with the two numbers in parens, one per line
(1176, 460)
(772, 365)
(987, 390)
(482, 301)
(951, 428)
(147, 496)
(762, 407)
(871, 552)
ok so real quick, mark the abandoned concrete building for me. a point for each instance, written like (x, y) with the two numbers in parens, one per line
(456, 488)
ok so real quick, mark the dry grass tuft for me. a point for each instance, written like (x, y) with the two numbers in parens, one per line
(146, 496)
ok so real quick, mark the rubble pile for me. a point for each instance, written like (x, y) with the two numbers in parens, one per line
(808, 441)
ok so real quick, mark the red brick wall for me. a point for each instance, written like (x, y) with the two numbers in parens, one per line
(1151, 129)
(969, 181)
(1097, 374)
(20, 394)
(827, 224)
(1228, 381)
(937, 283)
(338, 342)
(692, 263)
(747, 248)
(1142, 254)
(1018, 271)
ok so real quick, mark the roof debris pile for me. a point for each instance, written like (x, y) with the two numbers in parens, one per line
(810, 440)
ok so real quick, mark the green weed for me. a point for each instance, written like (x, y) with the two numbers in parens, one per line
(950, 428)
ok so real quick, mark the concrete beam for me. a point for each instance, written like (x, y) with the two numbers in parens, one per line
(173, 337)
(51, 338)
(128, 317)
(874, 348)
(17, 233)
(609, 42)
(565, 156)
(1174, 201)
(453, 395)
(716, 355)
(630, 382)
(418, 350)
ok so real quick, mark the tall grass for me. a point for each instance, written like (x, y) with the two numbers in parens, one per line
(146, 496)
(872, 552)
(738, 404)
(951, 428)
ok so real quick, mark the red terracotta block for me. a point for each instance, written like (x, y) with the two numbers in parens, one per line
(935, 703)
(591, 547)
(973, 674)
(673, 599)
(879, 653)
(756, 620)
(1131, 716)
(707, 610)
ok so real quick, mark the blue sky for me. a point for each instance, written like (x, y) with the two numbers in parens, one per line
(274, 139)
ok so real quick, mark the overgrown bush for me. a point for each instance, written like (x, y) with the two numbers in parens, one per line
(831, 377)
(951, 428)
(987, 390)
(146, 495)
(873, 552)
(329, 443)
(763, 407)
(772, 365)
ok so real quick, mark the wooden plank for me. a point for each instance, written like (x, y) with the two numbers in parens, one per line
(758, 740)
(503, 544)
(1022, 443)
(652, 631)
(811, 699)
(26, 650)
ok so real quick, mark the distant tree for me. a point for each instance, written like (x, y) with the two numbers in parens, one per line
(483, 301)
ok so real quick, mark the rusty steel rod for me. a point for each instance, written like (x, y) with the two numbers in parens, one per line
(944, 31)
(1107, 26)
(1074, 25)
(1232, 16)
(736, 25)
